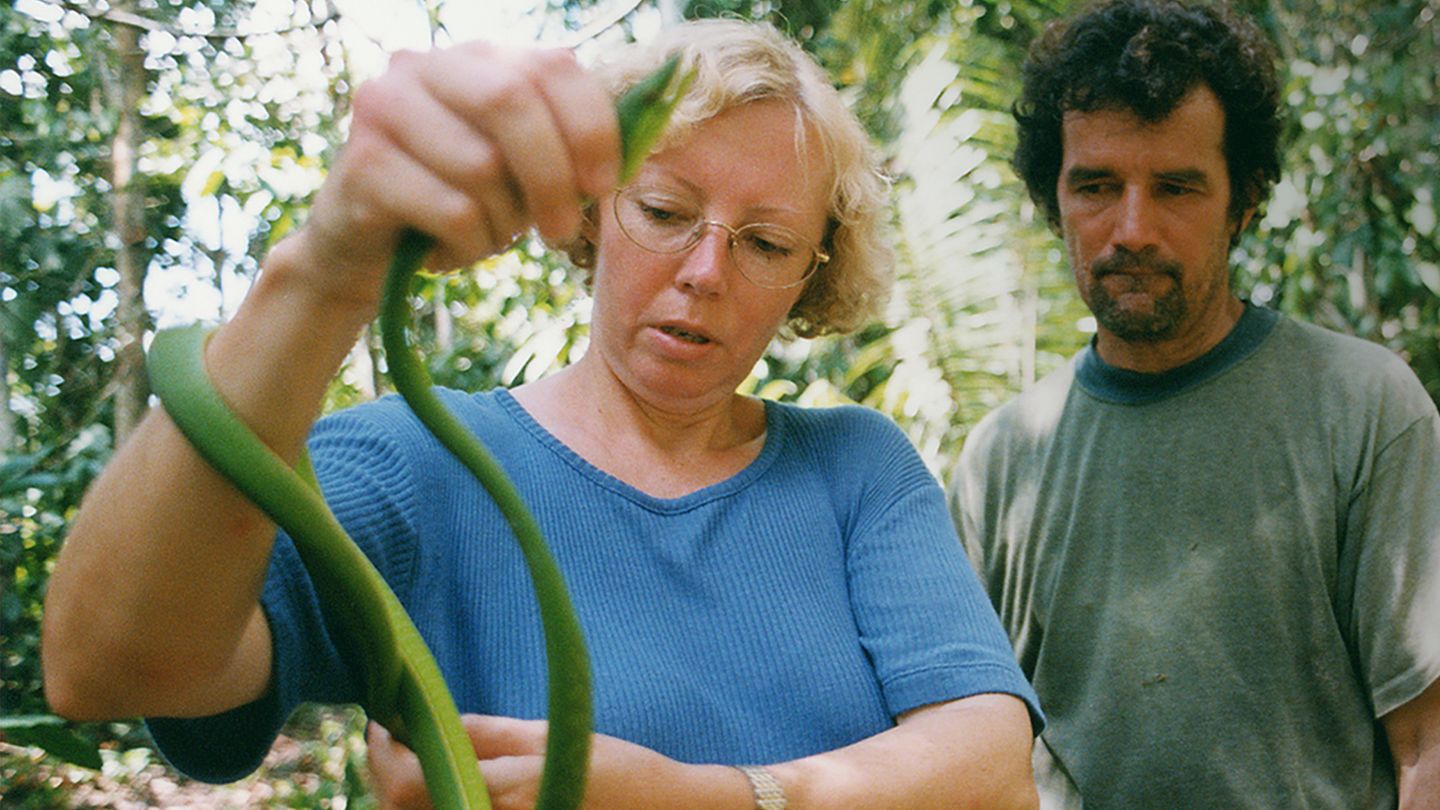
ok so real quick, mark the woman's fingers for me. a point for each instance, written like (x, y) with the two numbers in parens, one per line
(440, 139)
(511, 754)
(585, 114)
(471, 145)
(376, 189)
(416, 163)
(509, 105)
(513, 782)
(494, 737)
(395, 772)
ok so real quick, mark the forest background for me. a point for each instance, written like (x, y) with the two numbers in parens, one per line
(151, 151)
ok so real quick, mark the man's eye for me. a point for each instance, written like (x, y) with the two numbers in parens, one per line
(1173, 190)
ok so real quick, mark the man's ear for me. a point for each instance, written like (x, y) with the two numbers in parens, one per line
(1245, 217)
(1243, 220)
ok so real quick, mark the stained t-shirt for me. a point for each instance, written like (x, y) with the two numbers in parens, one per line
(1217, 577)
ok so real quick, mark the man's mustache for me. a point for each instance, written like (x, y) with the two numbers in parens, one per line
(1128, 261)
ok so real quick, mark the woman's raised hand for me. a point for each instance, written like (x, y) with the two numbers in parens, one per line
(471, 145)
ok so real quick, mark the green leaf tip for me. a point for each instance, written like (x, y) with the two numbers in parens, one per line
(644, 110)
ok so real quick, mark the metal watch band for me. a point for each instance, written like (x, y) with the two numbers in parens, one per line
(768, 793)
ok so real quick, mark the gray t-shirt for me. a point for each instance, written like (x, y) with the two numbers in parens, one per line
(1218, 577)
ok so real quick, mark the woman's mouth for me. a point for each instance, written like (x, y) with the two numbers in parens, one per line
(685, 335)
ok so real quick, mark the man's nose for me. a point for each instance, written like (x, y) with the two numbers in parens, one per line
(1135, 221)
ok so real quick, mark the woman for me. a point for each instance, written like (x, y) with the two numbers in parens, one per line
(758, 583)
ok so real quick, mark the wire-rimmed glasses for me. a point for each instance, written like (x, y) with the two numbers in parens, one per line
(768, 255)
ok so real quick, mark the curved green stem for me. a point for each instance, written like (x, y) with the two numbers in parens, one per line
(567, 662)
(404, 690)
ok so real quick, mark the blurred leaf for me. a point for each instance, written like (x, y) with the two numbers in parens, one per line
(51, 734)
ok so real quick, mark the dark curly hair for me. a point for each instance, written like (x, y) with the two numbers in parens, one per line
(1145, 56)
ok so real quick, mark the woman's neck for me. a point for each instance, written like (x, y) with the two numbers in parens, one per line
(662, 451)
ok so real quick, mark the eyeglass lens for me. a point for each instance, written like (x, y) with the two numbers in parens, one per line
(661, 221)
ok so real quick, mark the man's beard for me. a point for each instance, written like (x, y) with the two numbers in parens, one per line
(1168, 312)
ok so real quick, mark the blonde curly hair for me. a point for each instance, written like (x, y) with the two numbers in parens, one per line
(739, 62)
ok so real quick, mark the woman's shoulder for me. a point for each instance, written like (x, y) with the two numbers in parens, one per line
(836, 423)
(850, 443)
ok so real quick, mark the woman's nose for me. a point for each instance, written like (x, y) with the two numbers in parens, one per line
(706, 266)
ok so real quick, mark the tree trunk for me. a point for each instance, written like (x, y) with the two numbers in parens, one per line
(125, 88)
(444, 322)
(7, 417)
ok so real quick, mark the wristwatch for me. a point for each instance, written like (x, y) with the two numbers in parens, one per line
(768, 793)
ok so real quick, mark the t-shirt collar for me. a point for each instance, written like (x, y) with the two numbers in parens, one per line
(1126, 387)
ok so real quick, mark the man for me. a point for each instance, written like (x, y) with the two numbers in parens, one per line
(1213, 535)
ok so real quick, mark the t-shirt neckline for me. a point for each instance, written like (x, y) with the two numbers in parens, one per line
(774, 440)
(1125, 387)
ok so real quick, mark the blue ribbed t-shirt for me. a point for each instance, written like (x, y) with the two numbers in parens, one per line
(792, 609)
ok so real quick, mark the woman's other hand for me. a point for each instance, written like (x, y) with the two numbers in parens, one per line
(623, 776)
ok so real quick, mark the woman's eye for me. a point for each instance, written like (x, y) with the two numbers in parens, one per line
(656, 213)
(771, 247)
(661, 213)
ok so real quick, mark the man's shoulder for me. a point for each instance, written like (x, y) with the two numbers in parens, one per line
(1031, 414)
(1040, 404)
(1322, 356)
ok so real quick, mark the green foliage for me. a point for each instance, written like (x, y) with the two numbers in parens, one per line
(1350, 239)
(223, 132)
(515, 318)
(27, 783)
(984, 302)
(319, 762)
(53, 217)
(38, 494)
(801, 19)
(48, 732)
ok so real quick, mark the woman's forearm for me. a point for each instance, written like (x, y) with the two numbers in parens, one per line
(153, 605)
(969, 753)
(973, 752)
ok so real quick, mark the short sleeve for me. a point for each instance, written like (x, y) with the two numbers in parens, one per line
(1394, 521)
(924, 619)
